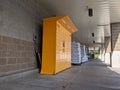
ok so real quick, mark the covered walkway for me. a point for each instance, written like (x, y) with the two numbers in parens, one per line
(96, 75)
(93, 75)
(23, 52)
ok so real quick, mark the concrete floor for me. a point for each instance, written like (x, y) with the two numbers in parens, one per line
(93, 75)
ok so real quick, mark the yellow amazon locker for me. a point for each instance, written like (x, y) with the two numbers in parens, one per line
(56, 51)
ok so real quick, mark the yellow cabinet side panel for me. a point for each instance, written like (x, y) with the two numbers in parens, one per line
(63, 48)
(49, 47)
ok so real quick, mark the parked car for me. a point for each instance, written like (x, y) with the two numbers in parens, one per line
(90, 56)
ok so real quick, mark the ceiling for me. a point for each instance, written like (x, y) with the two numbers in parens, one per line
(104, 12)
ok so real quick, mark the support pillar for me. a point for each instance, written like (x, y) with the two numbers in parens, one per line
(115, 39)
(107, 50)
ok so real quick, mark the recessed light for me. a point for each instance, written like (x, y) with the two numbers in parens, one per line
(90, 12)
(103, 24)
(93, 34)
(93, 41)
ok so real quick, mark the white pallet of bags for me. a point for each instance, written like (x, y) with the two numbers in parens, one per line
(84, 54)
(76, 53)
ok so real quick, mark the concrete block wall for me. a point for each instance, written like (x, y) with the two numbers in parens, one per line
(15, 55)
(19, 19)
(115, 30)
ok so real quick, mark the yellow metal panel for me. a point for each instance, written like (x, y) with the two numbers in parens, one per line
(63, 59)
(49, 48)
(56, 55)
(67, 23)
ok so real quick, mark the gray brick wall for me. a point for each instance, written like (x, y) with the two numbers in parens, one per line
(19, 19)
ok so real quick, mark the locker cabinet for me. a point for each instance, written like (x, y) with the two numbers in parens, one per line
(56, 52)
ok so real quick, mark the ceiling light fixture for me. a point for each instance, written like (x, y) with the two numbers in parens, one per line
(93, 34)
(103, 25)
(90, 12)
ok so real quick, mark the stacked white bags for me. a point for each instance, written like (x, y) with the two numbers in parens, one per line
(84, 56)
(76, 53)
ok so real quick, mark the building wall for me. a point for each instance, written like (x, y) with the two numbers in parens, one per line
(19, 19)
(15, 55)
(102, 52)
(107, 44)
(107, 59)
(107, 50)
(115, 30)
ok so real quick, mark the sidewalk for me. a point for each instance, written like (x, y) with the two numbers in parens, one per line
(93, 75)
(36, 81)
(96, 75)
